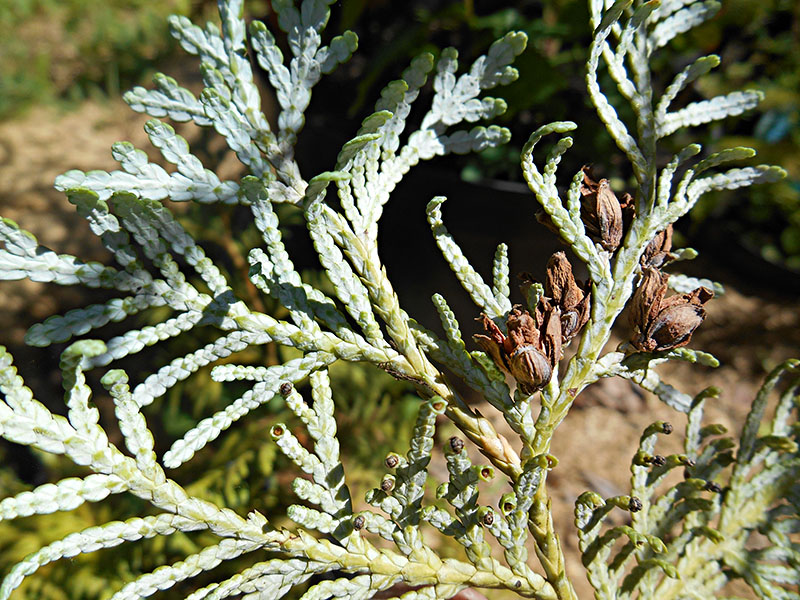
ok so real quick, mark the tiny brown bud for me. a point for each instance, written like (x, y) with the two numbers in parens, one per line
(488, 518)
(666, 428)
(658, 461)
(635, 505)
(712, 486)
(359, 522)
(277, 431)
(456, 444)
(387, 484)
(392, 461)
(689, 462)
(508, 502)
(285, 389)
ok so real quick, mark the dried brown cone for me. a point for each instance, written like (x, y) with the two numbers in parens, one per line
(572, 299)
(661, 323)
(601, 211)
(532, 348)
(657, 252)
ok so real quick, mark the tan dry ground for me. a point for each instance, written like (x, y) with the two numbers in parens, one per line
(748, 333)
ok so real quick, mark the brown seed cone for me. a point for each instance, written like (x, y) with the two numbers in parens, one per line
(657, 251)
(522, 328)
(647, 297)
(530, 368)
(560, 283)
(493, 344)
(601, 211)
(532, 348)
(570, 297)
(665, 323)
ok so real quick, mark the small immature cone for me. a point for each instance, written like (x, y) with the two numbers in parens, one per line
(532, 348)
(570, 298)
(665, 323)
(601, 211)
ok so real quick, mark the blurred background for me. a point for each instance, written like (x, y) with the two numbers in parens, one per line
(62, 53)
(62, 70)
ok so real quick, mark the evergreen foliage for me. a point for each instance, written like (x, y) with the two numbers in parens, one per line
(686, 540)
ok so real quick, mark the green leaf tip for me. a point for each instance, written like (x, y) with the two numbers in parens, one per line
(10, 222)
(375, 121)
(517, 40)
(711, 533)
(82, 197)
(556, 127)
(659, 427)
(780, 443)
(84, 348)
(318, 183)
(112, 377)
(643, 12)
(435, 203)
(590, 498)
(612, 15)
(776, 173)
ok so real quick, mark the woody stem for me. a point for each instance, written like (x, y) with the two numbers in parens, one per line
(609, 299)
(548, 545)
